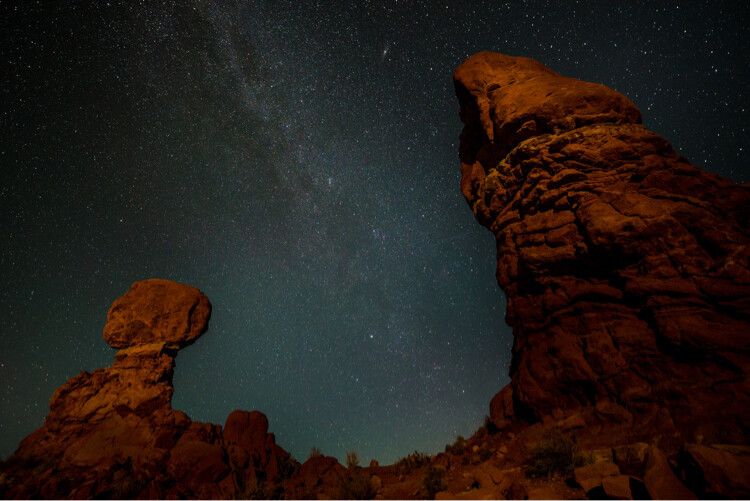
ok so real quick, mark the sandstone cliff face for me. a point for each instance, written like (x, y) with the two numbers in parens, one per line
(113, 432)
(625, 267)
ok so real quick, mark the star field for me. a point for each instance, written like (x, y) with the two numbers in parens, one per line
(298, 162)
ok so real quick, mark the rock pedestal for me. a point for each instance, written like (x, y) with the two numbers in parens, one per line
(113, 432)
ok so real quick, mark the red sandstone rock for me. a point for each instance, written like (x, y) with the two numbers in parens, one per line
(591, 476)
(717, 472)
(157, 311)
(501, 408)
(626, 268)
(113, 432)
(318, 477)
(660, 480)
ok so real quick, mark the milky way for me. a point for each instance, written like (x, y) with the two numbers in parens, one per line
(298, 164)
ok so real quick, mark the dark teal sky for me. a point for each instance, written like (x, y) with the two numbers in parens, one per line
(298, 162)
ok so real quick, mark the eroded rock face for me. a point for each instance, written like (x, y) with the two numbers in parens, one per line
(625, 267)
(114, 433)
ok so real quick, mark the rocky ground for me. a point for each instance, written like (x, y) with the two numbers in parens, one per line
(537, 462)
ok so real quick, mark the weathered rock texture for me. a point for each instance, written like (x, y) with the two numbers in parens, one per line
(113, 432)
(625, 267)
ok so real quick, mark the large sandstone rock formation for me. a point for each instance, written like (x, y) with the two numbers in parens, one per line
(625, 267)
(113, 432)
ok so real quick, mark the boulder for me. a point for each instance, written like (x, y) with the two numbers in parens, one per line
(617, 487)
(660, 480)
(713, 472)
(590, 476)
(501, 408)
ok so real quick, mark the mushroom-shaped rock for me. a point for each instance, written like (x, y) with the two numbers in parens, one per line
(157, 311)
(113, 433)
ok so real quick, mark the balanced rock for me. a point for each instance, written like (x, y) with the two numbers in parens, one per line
(113, 432)
(157, 311)
(626, 268)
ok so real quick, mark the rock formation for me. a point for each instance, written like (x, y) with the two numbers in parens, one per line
(625, 267)
(626, 273)
(113, 432)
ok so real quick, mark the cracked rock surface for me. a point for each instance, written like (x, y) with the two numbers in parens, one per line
(625, 267)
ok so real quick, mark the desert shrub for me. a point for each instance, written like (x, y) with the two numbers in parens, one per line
(481, 432)
(262, 490)
(5, 482)
(557, 453)
(433, 481)
(490, 426)
(314, 453)
(27, 463)
(458, 447)
(484, 452)
(126, 487)
(406, 465)
(356, 486)
(352, 459)
(287, 466)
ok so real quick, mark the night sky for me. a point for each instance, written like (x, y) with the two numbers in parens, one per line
(299, 164)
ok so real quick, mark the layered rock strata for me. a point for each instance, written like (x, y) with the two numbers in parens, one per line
(113, 433)
(625, 267)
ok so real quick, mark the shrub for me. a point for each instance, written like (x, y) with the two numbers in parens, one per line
(490, 426)
(352, 459)
(126, 488)
(484, 453)
(557, 453)
(481, 432)
(287, 466)
(433, 481)
(262, 490)
(406, 465)
(314, 453)
(458, 447)
(356, 486)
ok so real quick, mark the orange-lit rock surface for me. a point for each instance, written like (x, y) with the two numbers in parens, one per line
(625, 267)
(114, 433)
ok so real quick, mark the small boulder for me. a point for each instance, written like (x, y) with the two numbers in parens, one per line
(376, 483)
(246, 429)
(660, 480)
(591, 476)
(631, 453)
(501, 408)
(712, 472)
(617, 487)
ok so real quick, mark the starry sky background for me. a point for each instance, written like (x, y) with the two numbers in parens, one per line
(298, 162)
